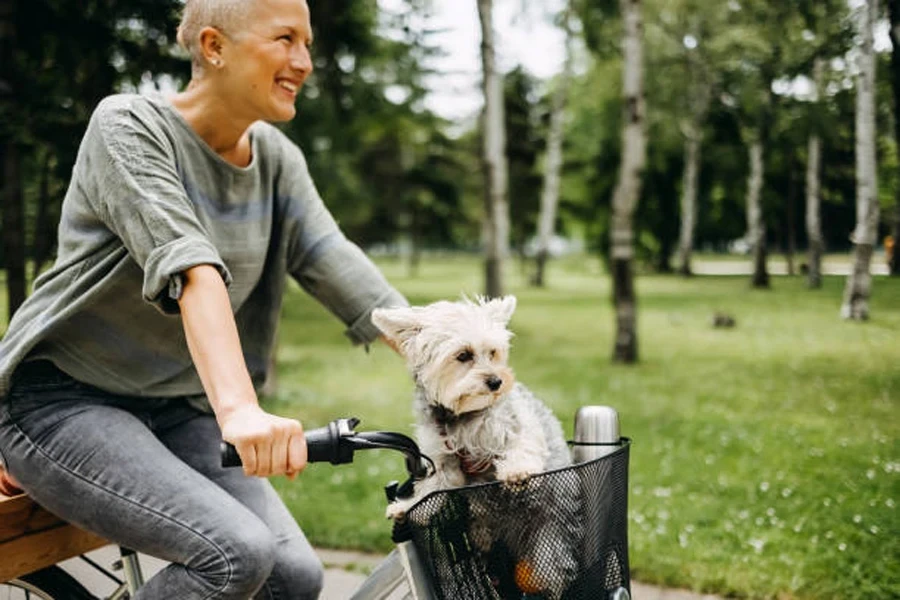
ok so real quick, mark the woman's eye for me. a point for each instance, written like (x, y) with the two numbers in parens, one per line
(464, 356)
(287, 38)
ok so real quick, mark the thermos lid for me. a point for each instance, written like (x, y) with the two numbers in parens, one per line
(597, 425)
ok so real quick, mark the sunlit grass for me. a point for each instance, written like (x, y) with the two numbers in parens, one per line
(765, 459)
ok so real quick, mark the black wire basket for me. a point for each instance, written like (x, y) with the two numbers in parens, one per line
(561, 535)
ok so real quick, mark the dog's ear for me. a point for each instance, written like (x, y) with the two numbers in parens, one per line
(502, 309)
(398, 325)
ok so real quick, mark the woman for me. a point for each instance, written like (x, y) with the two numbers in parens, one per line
(140, 348)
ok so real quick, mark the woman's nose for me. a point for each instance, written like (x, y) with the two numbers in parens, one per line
(301, 60)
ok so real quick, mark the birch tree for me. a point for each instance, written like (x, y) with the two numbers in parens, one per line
(692, 130)
(813, 188)
(756, 230)
(859, 284)
(554, 157)
(628, 186)
(493, 157)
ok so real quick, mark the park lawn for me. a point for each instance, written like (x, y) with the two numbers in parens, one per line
(765, 463)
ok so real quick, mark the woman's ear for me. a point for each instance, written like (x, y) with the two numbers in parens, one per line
(212, 42)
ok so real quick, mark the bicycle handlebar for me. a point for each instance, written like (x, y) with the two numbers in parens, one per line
(337, 442)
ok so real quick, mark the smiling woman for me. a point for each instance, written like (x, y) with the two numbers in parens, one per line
(248, 69)
(141, 349)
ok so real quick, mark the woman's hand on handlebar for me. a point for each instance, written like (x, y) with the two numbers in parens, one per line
(267, 444)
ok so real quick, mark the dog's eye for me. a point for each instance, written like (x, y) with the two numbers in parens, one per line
(493, 354)
(464, 356)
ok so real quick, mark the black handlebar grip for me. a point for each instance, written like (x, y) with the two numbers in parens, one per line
(230, 456)
(322, 445)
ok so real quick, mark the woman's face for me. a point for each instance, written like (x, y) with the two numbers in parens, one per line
(267, 60)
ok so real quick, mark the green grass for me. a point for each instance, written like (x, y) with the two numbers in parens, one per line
(765, 461)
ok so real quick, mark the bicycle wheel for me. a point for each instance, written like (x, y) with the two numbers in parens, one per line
(51, 583)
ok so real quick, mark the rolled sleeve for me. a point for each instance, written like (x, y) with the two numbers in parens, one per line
(362, 330)
(137, 192)
(163, 279)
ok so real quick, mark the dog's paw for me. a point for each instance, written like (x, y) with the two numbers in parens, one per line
(517, 472)
(397, 509)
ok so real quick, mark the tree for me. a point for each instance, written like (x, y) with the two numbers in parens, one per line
(695, 43)
(628, 187)
(894, 16)
(496, 207)
(859, 284)
(813, 193)
(554, 156)
(522, 149)
(58, 60)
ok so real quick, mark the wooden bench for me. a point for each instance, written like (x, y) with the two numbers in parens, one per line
(32, 538)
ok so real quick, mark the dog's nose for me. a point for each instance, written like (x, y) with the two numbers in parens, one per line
(494, 383)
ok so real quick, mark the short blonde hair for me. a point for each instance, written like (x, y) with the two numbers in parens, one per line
(224, 15)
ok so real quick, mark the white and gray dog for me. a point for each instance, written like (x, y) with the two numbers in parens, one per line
(478, 424)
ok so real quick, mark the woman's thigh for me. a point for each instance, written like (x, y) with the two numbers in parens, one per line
(297, 569)
(100, 466)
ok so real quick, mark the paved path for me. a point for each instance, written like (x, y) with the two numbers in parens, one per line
(779, 267)
(344, 571)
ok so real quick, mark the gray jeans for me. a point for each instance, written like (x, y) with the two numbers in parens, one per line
(145, 473)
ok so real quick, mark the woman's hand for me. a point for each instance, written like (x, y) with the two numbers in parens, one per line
(8, 485)
(267, 444)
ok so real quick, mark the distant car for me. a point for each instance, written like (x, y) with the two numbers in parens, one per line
(739, 246)
(558, 246)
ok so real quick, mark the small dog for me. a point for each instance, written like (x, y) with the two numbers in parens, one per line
(477, 423)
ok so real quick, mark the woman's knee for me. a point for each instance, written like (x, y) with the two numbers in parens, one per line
(240, 562)
(298, 574)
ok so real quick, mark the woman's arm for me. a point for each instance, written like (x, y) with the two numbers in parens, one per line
(268, 444)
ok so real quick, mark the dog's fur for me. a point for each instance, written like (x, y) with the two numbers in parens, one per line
(473, 419)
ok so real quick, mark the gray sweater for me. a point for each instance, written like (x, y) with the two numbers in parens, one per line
(147, 200)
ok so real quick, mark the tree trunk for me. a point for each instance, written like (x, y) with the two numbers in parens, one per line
(13, 227)
(756, 231)
(859, 284)
(496, 218)
(813, 197)
(790, 247)
(628, 187)
(554, 159)
(689, 199)
(894, 15)
(415, 243)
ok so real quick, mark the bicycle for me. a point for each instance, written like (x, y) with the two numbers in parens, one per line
(434, 556)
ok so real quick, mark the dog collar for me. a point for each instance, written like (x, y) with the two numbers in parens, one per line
(444, 417)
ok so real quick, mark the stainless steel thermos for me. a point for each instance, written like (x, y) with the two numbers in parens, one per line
(596, 432)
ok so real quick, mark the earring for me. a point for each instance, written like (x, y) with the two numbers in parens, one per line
(216, 62)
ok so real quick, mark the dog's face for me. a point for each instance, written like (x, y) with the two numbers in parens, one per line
(457, 351)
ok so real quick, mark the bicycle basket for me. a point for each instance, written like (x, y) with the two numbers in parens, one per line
(562, 535)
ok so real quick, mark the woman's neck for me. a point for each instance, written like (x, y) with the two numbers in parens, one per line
(214, 122)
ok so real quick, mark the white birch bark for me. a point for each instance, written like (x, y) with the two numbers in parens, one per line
(692, 130)
(628, 187)
(496, 218)
(756, 232)
(554, 158)
(859, 283)
(813, 193)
